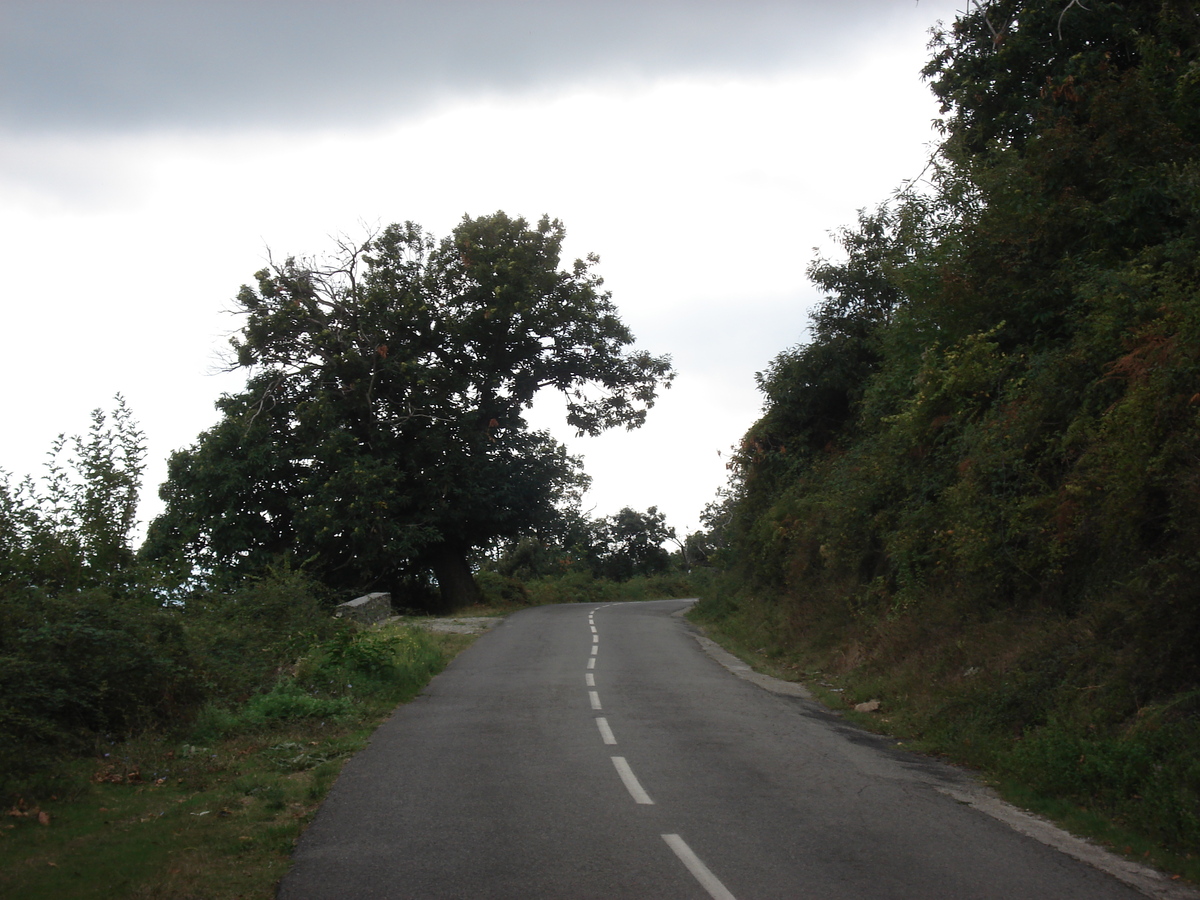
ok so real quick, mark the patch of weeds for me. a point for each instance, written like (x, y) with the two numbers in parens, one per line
(213, 722)
(287, 701)
(293, 756)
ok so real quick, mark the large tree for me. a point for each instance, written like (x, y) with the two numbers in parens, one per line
(382, 430)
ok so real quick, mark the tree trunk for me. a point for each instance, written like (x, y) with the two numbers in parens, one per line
(455, 581)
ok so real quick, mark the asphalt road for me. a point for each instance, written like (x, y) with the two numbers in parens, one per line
(597, 751)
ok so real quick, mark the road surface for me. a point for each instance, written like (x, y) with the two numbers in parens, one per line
(589, 750)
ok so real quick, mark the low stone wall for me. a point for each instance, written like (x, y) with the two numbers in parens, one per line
(366, 610)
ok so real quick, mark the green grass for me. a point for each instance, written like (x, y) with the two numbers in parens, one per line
(211, 817)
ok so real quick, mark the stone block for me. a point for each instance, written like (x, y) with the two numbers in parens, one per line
(366, 610)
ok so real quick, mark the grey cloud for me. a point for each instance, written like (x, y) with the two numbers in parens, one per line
(120, 65)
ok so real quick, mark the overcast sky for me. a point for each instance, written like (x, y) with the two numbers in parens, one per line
(152, 152)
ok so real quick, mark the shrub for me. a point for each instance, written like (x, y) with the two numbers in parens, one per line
(82, 665)
(242, 638)
(384, 660)
(501, 590)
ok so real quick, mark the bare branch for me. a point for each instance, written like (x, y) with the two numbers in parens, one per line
(997, 36)
(269, 392)
(1064, 12)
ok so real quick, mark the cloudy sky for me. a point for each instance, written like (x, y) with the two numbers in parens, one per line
(152, 152)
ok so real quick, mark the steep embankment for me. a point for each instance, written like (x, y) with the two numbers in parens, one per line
(976, 492)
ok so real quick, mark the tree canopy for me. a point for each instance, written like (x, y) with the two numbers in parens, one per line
(382, 432)
(1000, 400)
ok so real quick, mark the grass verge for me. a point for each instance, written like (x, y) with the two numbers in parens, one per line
(216, 815)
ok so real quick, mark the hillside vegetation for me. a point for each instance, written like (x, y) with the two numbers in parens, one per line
(974, 492)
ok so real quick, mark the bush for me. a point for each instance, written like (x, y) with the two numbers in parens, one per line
(583, 587)
(86, 664)
(501, 590)
(375, 661)
(243, 637)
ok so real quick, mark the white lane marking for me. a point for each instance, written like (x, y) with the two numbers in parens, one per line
(592, 663)
(606, 734)
(593, 629)
(595, 638)
(630, 782)
(707, 879)
(595, 647)
(594, 696)
(590, 679)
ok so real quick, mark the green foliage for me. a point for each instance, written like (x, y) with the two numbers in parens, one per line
(619, 547)
(584, 587)
(241, 637)
(91, 665)
(995, 421)
(333, 676)
(382, 431)
(72, 528)
(999, 396)
(75, 668)
(502, 591)
(530, 557)
(287, 701)
(85, 647)
(630, 544)
(384, 655)
(1147, 776)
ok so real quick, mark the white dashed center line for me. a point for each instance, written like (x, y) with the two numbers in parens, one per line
(630, 782)
(699, 870)
(707, 879)
(606, 734)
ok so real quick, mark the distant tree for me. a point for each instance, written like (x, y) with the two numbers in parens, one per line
(382, 430)
(631, 544)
